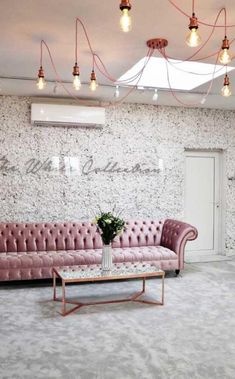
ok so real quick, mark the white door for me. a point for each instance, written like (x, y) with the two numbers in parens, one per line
(202, 200)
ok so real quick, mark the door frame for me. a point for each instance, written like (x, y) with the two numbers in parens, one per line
(219, 241)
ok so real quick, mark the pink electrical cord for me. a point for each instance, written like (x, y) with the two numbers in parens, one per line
(136, 85)
(174, 94)
(58, 78)
(199, 21)
(60, 81)
(99, 64)
(207, 40)
(174, 64)
(96, 57)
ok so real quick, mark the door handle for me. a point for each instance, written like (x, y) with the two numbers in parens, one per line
(216, 204)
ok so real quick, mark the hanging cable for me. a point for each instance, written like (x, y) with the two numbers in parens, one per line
(199, 21)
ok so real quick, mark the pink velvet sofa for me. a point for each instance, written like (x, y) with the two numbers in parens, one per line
(29, 251)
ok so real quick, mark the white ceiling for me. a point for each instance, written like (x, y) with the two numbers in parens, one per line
(24, 23)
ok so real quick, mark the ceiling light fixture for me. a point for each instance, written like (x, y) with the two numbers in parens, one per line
(93, 83)
(41, 79)
(203, 100)
(41, 76)
(193, 38)
(55, 88)
(156, 44)
(226, 91)
(155, 95)
(76, 79)
(125, 20)
(225, 55)
(76, 71)
(117, 92)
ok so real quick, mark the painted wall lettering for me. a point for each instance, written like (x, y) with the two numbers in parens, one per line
(71, 166)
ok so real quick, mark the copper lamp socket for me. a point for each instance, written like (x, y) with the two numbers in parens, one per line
(226, 80)
(193, 22)
(225, 44)
(125, 4)
(41, 73)
(93, 75)
(76, 71)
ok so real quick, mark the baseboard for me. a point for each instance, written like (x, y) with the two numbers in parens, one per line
(207, 258)
(230, 253)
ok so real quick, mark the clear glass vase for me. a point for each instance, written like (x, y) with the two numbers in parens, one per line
(107, 258)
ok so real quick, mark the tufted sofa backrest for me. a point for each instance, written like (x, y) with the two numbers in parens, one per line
(49, 236)
(74, 236)
(140, 233)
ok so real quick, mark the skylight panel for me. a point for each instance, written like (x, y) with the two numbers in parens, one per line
(182, 75)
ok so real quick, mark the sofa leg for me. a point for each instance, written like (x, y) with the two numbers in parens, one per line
(177, 272)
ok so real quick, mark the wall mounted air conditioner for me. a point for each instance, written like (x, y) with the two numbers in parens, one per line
(67, 115)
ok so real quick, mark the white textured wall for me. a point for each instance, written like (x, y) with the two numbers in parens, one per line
(133, 134)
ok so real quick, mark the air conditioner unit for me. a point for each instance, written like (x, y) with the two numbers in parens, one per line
(67, 115)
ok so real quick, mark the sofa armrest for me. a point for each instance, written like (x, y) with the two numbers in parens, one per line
(175, 234)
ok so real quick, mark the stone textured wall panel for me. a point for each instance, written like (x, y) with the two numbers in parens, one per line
(133, 134)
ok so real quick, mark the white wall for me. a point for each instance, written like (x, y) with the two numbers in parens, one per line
(133, 134)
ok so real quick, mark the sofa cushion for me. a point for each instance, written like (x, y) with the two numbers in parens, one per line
(79, 257)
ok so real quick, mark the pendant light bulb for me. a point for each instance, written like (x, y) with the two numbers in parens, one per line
(93, 83)
(193, 38)
(125, 20)
(76, 77)
(41, 79)
(226, 91)
(76, 82)
(225, 55)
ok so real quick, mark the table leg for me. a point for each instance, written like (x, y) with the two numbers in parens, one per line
(163, 289)
(54, 285)
(63, 298)
(143, 285)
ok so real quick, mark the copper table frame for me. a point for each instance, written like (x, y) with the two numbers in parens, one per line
(133, 298)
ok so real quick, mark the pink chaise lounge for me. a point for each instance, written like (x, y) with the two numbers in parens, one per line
(29, 251)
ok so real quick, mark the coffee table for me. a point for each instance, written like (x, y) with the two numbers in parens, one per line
(94, 273)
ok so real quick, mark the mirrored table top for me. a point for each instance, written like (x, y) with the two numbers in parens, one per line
(118, 271)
